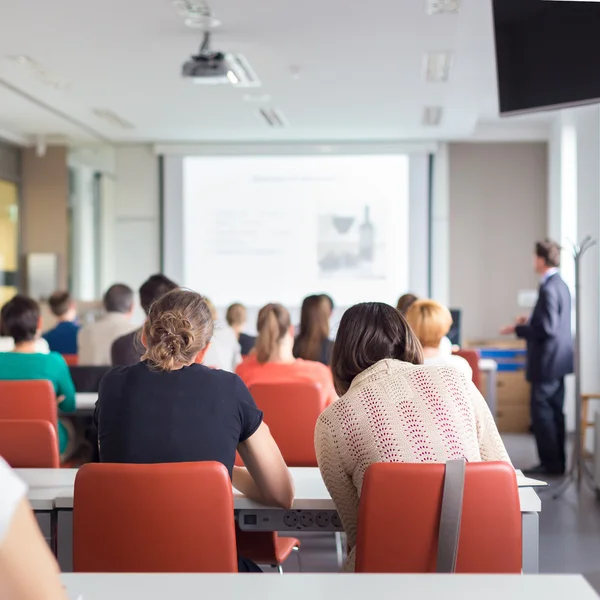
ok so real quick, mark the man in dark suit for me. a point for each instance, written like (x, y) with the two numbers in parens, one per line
(128, 350)
(549, 358)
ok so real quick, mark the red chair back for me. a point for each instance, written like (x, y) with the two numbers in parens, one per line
(472, 357)
(33, 399)
(29, 444)
(399, 519)
(72, 360)
(164, 518)
(291, 410)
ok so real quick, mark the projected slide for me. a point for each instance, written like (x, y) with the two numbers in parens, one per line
(261, 229)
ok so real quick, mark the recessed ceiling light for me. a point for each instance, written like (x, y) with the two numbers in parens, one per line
(436, 66)
(112, 118)
(432, 115)
(196, 14)
(440, 7)
(36, 70)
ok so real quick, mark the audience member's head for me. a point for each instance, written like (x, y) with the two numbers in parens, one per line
(177, 331)
(275, 333)
(20, 318)
(212, 308)
(236, 317)
(368, 333)
(153, 288)
(547, 256)
(314, 327)
(430, 321)
(118, 299)
(62, 306)
(330, 303)
(405, 302)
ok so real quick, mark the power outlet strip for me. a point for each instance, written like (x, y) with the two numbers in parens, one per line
(272, 519)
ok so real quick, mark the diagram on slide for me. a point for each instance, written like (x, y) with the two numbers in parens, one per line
(351, 245)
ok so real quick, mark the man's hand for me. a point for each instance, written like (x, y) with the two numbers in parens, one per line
(508, 330)
(523, 320)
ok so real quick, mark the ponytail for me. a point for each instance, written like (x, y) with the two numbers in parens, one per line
(273, 323)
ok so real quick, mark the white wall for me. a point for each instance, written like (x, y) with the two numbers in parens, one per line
(497, 210)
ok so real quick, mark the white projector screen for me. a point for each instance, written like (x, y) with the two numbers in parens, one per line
(260, 229)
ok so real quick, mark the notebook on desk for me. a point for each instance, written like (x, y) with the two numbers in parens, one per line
(523, 482)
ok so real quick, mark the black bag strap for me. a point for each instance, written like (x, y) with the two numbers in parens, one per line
(451, 515)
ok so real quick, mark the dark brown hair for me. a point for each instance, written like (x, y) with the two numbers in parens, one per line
(59, 303)
(368, 333)
(405, 302)
(118, 298)
(314, 328)
(273, 323)
(178, 327)
(549, 251)
(20, 318)
(153, 288)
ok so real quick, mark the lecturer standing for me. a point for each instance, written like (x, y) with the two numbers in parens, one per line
(549, 358)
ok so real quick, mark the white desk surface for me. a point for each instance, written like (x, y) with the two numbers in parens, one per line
(85, 401)
(47, 485)
(326, 586)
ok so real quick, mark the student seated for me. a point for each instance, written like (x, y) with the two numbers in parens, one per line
(237, 319)
(430, 413)
(431, 321)
(63, 338)
(95, 340)
(312, 342)
(128, 349)
(28, 571)
(272, 359)
(21, 320)
(169, 408)
(224, 351)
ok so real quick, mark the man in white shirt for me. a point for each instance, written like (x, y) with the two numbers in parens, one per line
(95, 340)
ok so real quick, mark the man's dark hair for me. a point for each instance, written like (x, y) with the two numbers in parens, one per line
(60, 302)
(118, 298)
(20, 318)
(549, 251)
(155, 287)
(368, 333)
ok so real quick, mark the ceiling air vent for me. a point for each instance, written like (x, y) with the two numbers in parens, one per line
(273, 117)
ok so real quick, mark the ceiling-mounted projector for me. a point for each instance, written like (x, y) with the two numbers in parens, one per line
(210, 67)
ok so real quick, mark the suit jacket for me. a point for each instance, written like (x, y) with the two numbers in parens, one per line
(548, 333)
(127, 350)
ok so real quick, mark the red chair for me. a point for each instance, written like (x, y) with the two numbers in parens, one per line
(35, 399)
(29, 444)
(472, 357)
(164, 518)
(399, 516)
(72, 360)
(291, 410)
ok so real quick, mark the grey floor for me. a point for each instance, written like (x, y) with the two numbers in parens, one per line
(569, 529)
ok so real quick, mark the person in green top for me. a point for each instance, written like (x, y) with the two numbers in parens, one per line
(20, 319)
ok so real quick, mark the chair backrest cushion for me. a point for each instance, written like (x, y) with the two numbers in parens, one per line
(29, 444)
(399, 515)
(33, 399)
(175, 517)
(472, 357)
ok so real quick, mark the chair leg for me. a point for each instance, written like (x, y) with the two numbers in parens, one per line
(339, 547)
(279, 569)
(584, 422)
(296, 549)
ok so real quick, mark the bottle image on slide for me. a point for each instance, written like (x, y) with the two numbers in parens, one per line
(366, 233)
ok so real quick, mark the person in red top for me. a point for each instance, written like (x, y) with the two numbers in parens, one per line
(272, 359)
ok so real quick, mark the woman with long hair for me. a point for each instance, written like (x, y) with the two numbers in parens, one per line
(392, 408)
(272, 359)
(313, 341)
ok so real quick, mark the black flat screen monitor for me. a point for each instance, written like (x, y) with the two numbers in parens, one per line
(547, 54)
(454, 333)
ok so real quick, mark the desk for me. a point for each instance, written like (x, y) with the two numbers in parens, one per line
(327, 586)
(313, 510)
(85, 402)
(490, 368)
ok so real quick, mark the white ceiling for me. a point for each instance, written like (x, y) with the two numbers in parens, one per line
(359, 64)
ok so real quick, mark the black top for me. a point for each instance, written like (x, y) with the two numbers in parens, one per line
(548, 333)
(247, 342)
(192, 414)
(325, 354)
(127, 350)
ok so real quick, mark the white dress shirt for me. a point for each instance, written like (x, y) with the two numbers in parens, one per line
(224, 352)
(7, 344)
